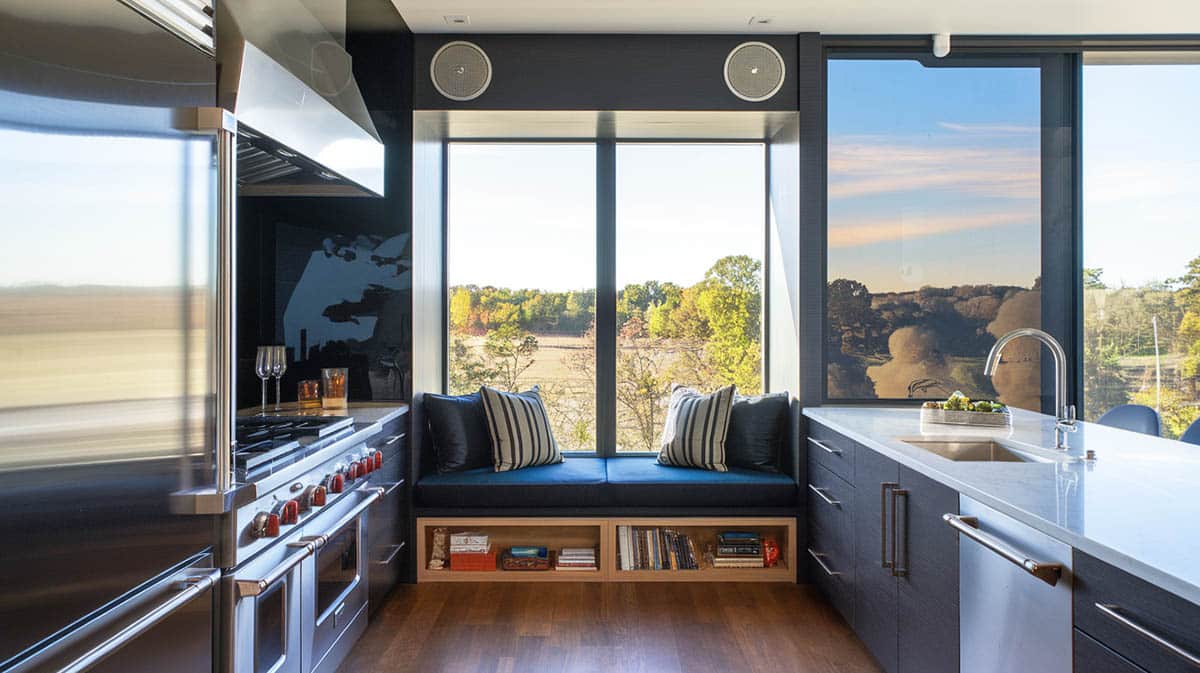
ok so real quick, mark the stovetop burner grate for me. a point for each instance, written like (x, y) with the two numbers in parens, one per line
(263, 440)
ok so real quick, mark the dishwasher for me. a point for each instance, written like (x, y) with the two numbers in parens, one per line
(1014, 594)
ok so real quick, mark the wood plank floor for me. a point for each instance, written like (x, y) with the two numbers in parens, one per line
(608, 628)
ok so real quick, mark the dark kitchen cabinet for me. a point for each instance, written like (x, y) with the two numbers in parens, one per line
(875, 595)
(899, 587)
(927, 632)
(1138, 625)
(388, 533)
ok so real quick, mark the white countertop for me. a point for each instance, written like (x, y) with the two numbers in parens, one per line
(1135, 506)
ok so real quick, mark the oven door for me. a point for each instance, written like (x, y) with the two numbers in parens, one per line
(268, 611)
(338, 615)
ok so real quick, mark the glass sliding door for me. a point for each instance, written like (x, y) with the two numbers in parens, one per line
(934, 227)
(521, 270)
(1141, 235)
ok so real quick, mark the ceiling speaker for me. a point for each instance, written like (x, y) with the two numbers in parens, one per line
(461, 70)
(754, 71)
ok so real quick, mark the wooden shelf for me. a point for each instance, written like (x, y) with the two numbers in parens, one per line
(601, 533)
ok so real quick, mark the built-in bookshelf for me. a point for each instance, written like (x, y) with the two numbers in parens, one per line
(603, 534)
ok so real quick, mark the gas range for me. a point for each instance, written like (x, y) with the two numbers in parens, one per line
(268, 443)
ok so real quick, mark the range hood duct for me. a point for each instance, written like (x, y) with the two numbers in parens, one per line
(303, 128)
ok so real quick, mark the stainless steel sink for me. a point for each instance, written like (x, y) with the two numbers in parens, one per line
(978, 450)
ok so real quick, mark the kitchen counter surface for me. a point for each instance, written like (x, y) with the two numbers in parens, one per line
(1135, 506)
(364, 413)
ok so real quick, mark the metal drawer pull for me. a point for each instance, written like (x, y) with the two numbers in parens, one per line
(392, 556)
(820, 559)
(897, 570)
(825, 447)
(969, 526)
(883, 521)
(821, 494)
(393, 439)
(375, 493)
(1113, 613)
(195, 587)
(392, 487)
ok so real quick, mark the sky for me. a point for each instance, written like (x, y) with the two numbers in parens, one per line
(523, 216)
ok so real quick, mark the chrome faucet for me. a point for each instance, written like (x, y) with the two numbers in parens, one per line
(1064, 414)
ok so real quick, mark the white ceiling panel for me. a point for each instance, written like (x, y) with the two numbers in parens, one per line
(841, 17)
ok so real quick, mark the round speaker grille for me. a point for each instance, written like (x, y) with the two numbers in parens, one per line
(754, 71)
(461, 71)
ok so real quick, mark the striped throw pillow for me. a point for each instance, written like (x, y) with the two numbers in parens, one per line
(520, 429)
(694, 435)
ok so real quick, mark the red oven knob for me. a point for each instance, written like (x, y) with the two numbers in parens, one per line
(291, 513)
(378, 460)
(352, 471)
(366, 466)
(336, 483)
(265, 524)
(318, 496)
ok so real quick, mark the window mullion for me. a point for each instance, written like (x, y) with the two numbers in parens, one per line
(606, 298)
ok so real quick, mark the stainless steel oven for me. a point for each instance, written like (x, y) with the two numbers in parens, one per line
(338, 613)
(299, 605)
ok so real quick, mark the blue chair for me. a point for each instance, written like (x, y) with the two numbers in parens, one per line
(1133, 417)
(1192, 434)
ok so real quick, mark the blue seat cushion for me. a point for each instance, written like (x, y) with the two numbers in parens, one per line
(575, 482)
(642, 482)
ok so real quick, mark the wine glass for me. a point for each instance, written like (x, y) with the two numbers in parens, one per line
(278, 367)
(263, 367)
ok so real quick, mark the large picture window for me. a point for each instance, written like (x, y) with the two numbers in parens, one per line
(686, 244)
(521, 270)
(934, 228)
(1141, 238)
(689, 240)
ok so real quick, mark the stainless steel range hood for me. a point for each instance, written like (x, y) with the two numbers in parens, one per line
(303, 128)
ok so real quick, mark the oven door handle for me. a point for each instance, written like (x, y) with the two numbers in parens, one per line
(374, 493)
(195, 587)
(246, 588)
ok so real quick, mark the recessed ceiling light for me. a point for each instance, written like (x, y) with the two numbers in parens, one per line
(759, 20)
(457, 19)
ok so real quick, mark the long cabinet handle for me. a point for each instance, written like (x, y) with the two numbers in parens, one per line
(883, 522)
(969, 527)
(392, 556)
(824, 447)
(822, 495)
(195, 588)
(393, 439)
(392, 487)
(374, 494)
(897, 569)
(820, 559)
(1113, 612)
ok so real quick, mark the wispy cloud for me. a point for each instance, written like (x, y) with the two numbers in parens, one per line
(845, 233)
(989, 129)
(870, 165)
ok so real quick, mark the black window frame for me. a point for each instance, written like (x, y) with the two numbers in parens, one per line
(606, 269)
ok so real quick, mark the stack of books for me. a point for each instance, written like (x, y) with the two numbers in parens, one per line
(655, 549)
(576, 558)
(471, 551)
(738, 549)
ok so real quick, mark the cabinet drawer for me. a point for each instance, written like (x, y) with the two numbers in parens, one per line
(832, 570)
(1155, 629)
(1092, 657)
(830, 501)
(831, 450)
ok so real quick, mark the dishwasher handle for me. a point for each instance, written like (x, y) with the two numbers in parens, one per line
(968, 526)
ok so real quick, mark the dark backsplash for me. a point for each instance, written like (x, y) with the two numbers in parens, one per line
(331, 277)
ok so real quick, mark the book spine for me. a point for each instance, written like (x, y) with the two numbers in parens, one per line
(623, 546)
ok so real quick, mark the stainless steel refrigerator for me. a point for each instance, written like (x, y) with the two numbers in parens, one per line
(111, 335)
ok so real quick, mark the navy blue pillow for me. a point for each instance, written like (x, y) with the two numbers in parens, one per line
(461, 440)
(757, 427)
